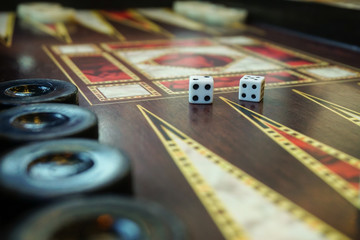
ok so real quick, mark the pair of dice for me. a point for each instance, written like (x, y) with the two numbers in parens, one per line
(201, 89)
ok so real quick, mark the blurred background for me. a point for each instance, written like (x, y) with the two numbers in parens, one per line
(331, 20)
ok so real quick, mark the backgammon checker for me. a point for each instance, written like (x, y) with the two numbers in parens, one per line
(101, 217)
(45, 171)
(40, 122)
(28, 91)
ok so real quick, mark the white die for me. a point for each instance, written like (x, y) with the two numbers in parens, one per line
(201, 89)
(251, 88)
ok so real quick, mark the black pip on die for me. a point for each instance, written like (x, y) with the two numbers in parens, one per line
(251, 88)
(201, 89)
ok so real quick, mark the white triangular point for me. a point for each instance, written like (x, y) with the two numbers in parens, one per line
(259, 217)
(4, 18)
(94, 21)
(242, 207)
(7, 20)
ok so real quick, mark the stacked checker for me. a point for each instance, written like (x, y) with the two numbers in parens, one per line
(42, 109)
(35, 111)
(53, 171)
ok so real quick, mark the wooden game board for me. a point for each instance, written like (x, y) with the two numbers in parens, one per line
(285, 168)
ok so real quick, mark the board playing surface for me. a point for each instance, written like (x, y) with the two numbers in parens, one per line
(285, 168)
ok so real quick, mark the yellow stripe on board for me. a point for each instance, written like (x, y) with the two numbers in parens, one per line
(308, 153)
(346, 113)
(57, 30)
(62, 32)
(51, 56)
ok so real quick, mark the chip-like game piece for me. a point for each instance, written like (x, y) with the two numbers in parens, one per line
(28, 91)
(45, 171)
(102, 217)
(46, 121)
